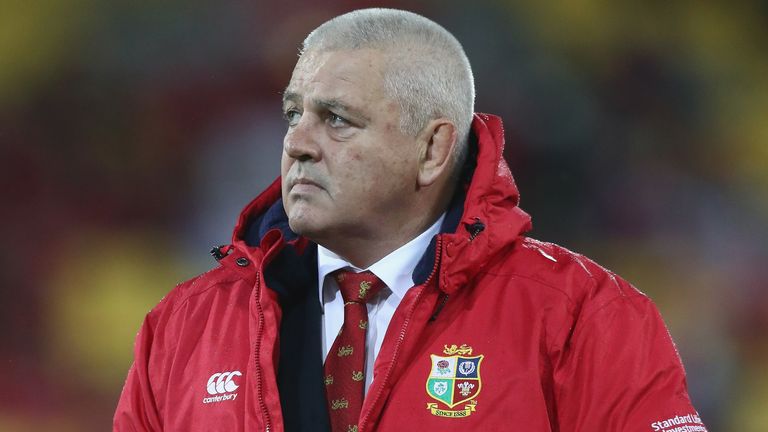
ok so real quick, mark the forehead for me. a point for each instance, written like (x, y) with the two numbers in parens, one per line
(356, 76)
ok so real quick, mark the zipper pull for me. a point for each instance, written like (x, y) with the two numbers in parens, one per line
(474, 228)
(219, 252)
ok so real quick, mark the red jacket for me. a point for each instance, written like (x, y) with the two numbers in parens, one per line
(501, 332)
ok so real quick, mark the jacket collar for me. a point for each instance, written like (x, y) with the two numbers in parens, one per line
(482, 219)
(491, 219)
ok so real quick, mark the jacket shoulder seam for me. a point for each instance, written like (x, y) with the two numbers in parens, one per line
(180, 302)
(605, 305)
(539, 281)
(568, 322)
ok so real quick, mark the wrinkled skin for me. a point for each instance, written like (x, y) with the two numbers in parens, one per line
(350, 176)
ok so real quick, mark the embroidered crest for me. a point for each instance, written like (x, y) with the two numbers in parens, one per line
(454, 379)
(461, 350)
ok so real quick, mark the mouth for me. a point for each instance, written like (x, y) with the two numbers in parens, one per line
(305, 181)
(303, 185)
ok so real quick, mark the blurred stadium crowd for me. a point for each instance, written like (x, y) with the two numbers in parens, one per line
(133, 132)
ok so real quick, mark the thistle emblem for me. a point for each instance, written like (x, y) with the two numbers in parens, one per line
(357, 376)
(363, 324)
(329, 380)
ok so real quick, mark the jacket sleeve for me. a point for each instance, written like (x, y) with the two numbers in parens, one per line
(620, 370)
(137, 408)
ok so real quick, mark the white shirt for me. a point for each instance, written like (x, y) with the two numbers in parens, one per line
(395, 270)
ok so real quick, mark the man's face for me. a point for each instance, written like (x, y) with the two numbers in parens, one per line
(347, 169)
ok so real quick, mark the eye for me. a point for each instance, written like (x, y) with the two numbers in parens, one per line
(292, 116)
(337, 121)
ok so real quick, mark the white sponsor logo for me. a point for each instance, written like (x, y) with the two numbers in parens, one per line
(221, 385)
(687, 423)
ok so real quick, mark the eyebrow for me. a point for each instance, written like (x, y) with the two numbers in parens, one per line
(328, 104)
(289, 96)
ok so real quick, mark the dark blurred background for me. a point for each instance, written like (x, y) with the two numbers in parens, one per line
(133, 133)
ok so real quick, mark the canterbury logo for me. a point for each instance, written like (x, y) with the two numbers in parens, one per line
(222, 382)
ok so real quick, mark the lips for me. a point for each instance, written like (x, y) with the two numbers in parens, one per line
(303, 184)
(304, 181)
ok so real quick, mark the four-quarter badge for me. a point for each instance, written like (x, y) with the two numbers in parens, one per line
(454, 379)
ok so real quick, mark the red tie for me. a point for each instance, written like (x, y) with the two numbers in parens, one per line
(345, 364)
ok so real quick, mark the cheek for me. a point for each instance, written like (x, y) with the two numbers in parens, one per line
(352, 176)
(285, 164)
(392, 128)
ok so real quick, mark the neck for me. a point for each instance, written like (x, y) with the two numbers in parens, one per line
(364, 250)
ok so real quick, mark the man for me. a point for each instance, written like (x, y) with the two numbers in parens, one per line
(384, 282)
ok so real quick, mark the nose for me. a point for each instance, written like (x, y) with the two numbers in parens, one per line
(300, 142)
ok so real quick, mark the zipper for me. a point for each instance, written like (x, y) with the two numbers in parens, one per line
(219, 252)
(404, 329)
(475, 228)
(443, 299)
(257, 353)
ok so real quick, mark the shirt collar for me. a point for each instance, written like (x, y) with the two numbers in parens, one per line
(395, 269)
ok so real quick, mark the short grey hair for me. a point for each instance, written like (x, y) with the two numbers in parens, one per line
(428, 74)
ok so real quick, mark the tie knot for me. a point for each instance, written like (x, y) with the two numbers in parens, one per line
(357, 287)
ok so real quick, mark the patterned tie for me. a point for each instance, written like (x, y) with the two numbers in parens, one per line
(345, 364)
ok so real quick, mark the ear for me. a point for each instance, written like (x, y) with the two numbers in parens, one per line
(436, 141)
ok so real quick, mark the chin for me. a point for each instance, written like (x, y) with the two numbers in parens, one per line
(297, 225)
(303, 225)
(312, 221)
